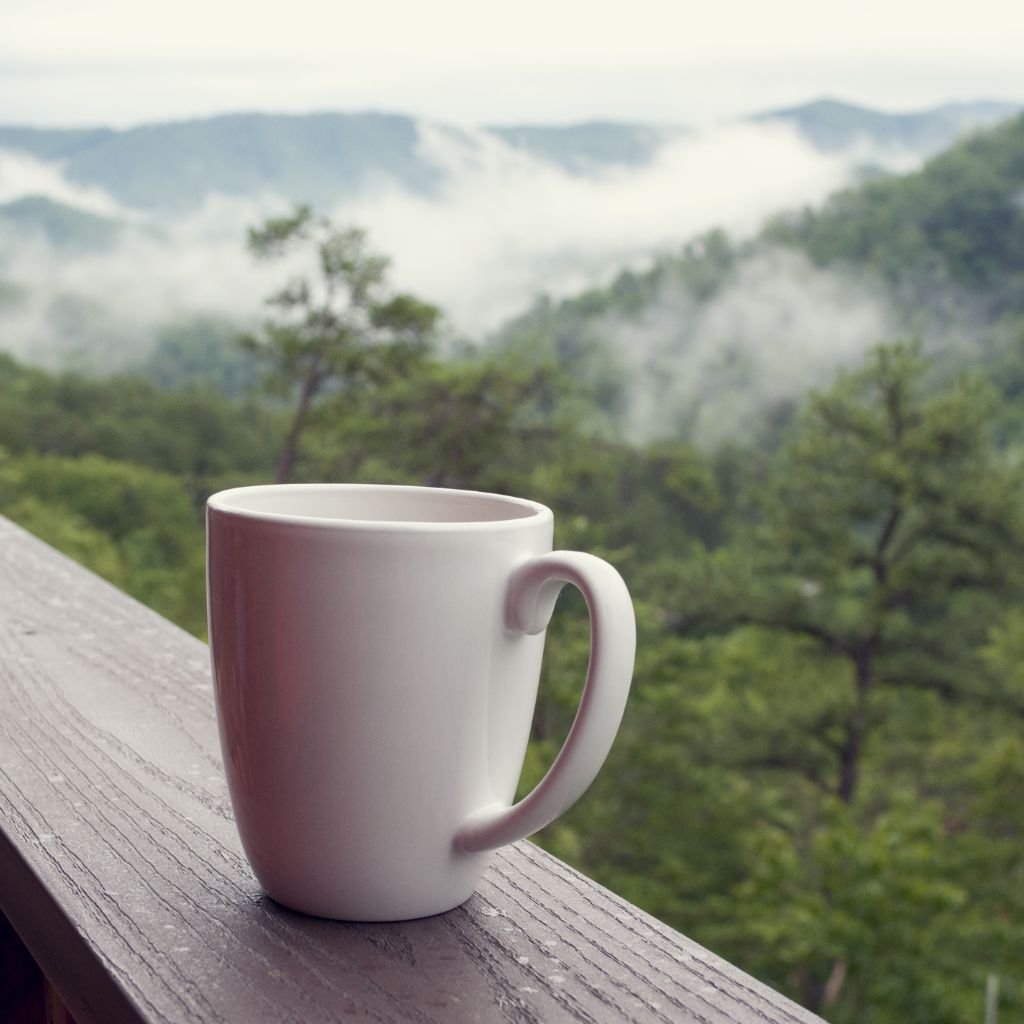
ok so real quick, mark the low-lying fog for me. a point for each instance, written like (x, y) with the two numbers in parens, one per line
(505, 227)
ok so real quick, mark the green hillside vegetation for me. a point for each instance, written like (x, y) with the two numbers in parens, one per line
(194, 433)
(115, 471)
(959, 217)
(942, 249)
(200, 351)
(820, 774)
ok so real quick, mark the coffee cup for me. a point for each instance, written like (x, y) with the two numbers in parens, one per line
(376, 653)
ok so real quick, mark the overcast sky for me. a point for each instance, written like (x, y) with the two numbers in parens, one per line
(66, 62)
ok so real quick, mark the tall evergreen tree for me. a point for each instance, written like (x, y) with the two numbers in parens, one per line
(892, 535)
(336, 328)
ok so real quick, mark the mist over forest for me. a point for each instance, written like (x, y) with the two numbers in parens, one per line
(111, 243)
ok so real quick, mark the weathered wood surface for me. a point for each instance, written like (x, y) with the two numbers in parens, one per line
(121, 870)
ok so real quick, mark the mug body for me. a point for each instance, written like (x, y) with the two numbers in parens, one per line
(369, 695)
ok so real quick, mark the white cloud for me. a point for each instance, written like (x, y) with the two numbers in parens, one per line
(778, 327)
(152, 276)
(509, 226)
(23, 175)
(505, 227)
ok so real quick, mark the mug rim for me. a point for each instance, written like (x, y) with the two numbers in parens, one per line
(230, 501)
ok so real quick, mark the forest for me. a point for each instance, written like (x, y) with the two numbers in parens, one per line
(820, 775)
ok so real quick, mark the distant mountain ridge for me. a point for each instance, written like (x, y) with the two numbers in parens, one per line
(483, 221)
(587, 147)
(317, 157)
(326, 158)
(833, 126)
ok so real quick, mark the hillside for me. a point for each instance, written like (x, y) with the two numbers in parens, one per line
(721, 339)
(961, 214)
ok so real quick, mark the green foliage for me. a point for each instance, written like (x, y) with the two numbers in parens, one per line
(135, 526)
(114, 472)
(477, 424)
(337, 329)
(895, 528)
(202, 352)
(959, 216)
(838, 940)
(196, 434)
(849, 626)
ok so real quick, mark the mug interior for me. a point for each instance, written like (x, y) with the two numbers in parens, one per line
(371, 503)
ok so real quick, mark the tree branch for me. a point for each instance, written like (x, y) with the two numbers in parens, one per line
(952, 693)
(878, 564)
(831, 641)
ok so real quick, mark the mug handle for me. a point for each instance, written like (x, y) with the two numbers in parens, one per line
(533, 588)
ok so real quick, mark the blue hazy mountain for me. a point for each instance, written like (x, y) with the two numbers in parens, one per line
(319, 158)
(325, 158)
(833, 126)
(591, 146)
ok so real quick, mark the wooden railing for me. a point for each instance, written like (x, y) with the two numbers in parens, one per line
(122, 878)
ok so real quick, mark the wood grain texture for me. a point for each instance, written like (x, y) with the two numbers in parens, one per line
(122, 872)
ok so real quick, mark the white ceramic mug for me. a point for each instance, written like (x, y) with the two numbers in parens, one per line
(376, 654)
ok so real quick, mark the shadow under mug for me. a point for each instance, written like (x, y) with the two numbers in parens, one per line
(376, 654)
